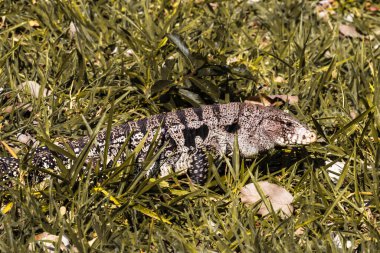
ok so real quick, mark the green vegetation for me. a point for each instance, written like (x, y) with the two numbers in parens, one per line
(114, 61)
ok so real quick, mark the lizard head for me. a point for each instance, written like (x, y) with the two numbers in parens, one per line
(283, 130)
(262, 128)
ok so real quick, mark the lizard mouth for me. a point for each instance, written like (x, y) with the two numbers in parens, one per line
(307, 138)
(302, 137)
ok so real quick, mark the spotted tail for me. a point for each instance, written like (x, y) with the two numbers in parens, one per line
(9, 168)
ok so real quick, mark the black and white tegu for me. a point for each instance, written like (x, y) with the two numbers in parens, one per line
(185, 135)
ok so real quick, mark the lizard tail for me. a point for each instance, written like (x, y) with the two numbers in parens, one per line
(9, 168)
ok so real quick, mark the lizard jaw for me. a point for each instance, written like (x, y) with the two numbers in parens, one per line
(302, 136)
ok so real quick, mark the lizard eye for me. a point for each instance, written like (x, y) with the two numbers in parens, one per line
(288, 124)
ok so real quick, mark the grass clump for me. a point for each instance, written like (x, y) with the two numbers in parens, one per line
(114, 61)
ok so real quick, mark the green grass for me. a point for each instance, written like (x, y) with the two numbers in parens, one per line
(114, 61)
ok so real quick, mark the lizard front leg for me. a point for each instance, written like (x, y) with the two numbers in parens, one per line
(192, 163)
(198, 169)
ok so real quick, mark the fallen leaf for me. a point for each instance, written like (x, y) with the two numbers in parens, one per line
(299, 231)
(26, 139)
(33, 88)
(353, 113)
(129, 53)
(33, 23)
(349, 31)
(231, 60)
(279, 79)
(48, 242)
(278, 196)
(272, 100)
(292, 100)
(251, 2)
(335, 170)
(339, 240)
(371, 7)
(8, 109)
(91, 242)
(214, 6)
(2, 23)
(325, 9)
(73, 29)
(62, 210)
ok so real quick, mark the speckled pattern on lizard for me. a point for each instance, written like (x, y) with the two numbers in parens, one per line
(185, 136)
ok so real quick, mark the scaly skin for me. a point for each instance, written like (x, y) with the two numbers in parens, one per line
(185, 135)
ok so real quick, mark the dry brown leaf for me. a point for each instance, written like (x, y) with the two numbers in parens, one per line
(48, 242)
(349, 31)
(62, 210)
(8, 109)
(279, 197)
(371, 7)
(259, 100)
(33, 23)
(292, 100)
(299, 231)
(2, 21)
(73, 29)
(26, 139)
(214, 6)
(325, 9)
(279, 79)
(33, 88)
(338, 240)
(272, 100)
(335, 170)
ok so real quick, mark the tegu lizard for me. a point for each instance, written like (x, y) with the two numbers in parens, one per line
(185, 136)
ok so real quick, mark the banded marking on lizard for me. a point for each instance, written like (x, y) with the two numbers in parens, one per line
(188, 133)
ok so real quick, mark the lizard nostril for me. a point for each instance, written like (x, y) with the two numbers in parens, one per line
(313, 137)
